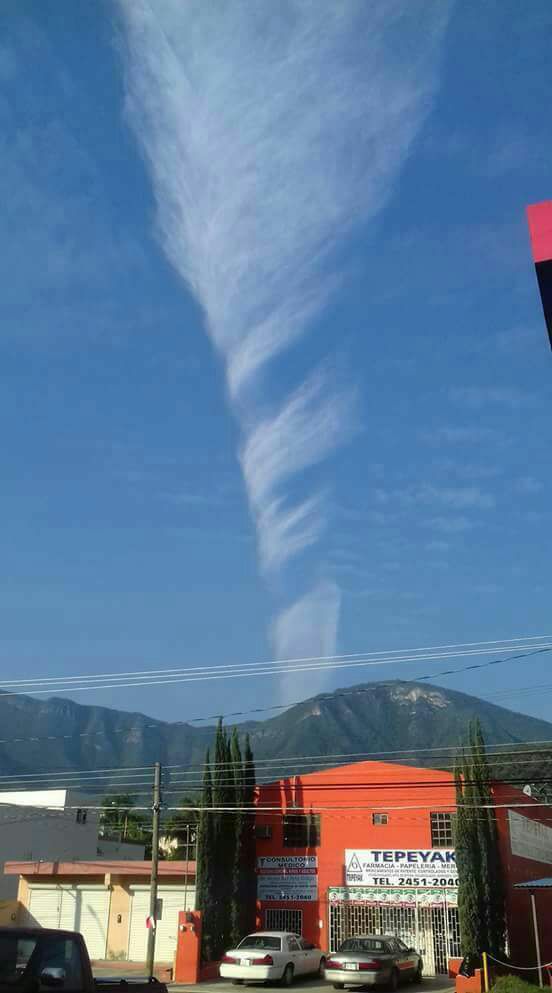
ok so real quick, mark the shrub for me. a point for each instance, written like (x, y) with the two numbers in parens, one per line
(512, 984)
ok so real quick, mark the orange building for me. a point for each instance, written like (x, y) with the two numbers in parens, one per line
(368, 847)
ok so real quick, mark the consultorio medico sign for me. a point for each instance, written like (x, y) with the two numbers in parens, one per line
(425, 868)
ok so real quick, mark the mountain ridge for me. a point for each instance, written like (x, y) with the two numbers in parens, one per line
(399, 717)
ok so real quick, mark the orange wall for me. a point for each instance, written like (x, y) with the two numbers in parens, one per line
(364, 787)
(367, 787)
(521, 870)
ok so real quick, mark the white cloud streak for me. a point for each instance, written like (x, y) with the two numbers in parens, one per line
(308, 627)
(271, 131)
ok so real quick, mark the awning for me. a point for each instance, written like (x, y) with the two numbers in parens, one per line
(536, 884)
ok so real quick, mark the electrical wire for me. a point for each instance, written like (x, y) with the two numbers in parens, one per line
(284, 706)
(143, 673)
(242, 672)
(83, 778)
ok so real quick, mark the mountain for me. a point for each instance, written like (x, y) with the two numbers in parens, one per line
(58, 735)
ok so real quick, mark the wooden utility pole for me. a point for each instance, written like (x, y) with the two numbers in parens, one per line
(156, 808)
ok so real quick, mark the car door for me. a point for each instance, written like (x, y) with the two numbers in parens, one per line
(295, 955)
(406, 960)
(311, 955)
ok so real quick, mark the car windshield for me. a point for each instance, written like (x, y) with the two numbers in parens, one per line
(265, 941)
(15, 953)
(362, 945)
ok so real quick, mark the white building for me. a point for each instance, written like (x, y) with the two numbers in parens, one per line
(41, 825)
(52, 826)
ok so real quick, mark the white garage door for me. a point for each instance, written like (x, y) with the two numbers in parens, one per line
(91, 919)
(50, 906)
(170, 902)
(78, 908)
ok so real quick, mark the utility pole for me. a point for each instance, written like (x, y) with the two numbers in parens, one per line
(154, 868)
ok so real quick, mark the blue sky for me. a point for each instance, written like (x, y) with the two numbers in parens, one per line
(275, 378)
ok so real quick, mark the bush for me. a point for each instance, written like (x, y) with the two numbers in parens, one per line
(512, 984)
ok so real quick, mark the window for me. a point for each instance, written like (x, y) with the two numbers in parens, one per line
(292, 945)
(263, 832)
(379, 818)
(15, 953)
(441, 830)
(263, 941)
(284, 920)
(301, 831)
(362, 945)
(63, 954)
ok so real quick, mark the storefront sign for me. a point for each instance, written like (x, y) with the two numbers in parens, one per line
(287, 878)
(374, 896)
(530, 839)
(426, 868)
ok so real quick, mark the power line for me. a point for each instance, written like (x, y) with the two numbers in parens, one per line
(144, 673)
(75, 779)
(240, 671)
(283, 706)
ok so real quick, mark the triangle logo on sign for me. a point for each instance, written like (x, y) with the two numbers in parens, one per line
(354, 864)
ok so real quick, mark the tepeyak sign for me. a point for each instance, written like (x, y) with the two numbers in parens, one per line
(423, 867)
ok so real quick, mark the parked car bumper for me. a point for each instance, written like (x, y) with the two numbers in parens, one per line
(354, 977)
(250, 973)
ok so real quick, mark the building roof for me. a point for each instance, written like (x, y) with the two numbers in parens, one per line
(101, 867)
(536, 884)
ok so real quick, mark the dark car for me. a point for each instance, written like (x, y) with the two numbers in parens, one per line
(374, 960)
(33, 960)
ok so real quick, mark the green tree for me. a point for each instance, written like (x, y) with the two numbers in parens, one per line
(179, 832)
(480, 891)
(237, 772)
(467, 861)
(226, 861)
(206, 895)
(248, 890)
(224, 840)
(118, 819)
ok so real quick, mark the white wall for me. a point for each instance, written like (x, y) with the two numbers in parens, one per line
(43, 832)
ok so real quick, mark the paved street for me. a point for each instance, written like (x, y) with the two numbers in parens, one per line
(439, 984)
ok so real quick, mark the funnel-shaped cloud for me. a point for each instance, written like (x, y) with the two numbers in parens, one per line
(308, 627)
(271, 130)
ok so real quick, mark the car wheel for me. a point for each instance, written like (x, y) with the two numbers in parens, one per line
(322, 968)
(339, 986)
(287, 975)
(237, 982)
(419, 974)
(394, 981)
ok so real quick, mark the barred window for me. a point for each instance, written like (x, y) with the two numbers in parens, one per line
(441, 830)
(380, 818)
(301, 831)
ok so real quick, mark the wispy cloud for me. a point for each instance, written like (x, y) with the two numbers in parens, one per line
(450, 435)
(308, 627)
(477, 397)
(528, 485)
(302, 433)
(450, 525)
(425, 494)
(271, 132)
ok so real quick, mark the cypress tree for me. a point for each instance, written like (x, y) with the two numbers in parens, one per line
(492, 890)
(224, 841)
(206, 883)
(249, 854)
(480, 892)
(237, 769)
(467, 860)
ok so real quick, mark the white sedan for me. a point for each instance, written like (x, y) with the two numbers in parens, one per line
(270, 956)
